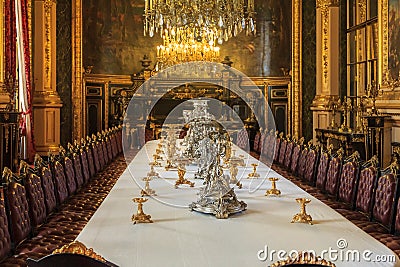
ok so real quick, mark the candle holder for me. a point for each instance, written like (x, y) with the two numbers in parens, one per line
(169, 165)
(233, 169)
(159, 152)
(333, 106)
(152, 173)
(346, 107)
(273, 190)
(181, 179)
(302, 216)
(155, 162)
(140, 216)
(254, 174)
(157, 155)
(147, 191)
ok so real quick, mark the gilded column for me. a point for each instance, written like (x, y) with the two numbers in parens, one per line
(328, 55)
(77, 72)
(46, 101)
(296, 93)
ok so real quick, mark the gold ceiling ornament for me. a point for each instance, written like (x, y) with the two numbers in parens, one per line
(199, 17)
(173, 52)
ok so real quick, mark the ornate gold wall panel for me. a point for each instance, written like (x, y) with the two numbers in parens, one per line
(77, 71)
(295, 104)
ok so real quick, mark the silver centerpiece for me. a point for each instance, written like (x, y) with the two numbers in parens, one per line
(216, 197)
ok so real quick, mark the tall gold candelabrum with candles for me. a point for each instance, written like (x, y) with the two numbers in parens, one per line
(333, 107)
(345, 107)
(373, 91)
(359, 108)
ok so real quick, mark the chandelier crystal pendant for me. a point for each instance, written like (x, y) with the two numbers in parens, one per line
(214, 21)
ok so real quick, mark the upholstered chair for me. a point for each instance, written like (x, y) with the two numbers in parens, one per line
(364, 194)
(384, 203)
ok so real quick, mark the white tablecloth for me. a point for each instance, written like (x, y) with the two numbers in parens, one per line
(179, 237)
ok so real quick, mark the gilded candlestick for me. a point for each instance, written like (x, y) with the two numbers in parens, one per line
(181, 179)
(302, 216)
(140, 216)
(254, 174)
(147, 191)
(233, 169)
(273, 190)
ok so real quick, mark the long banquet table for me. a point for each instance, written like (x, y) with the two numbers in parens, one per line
(256, 237)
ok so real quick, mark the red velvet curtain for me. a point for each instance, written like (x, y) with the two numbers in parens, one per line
(27, 68)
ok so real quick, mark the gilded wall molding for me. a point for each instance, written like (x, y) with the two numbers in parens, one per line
(295, 104)
(77, 71)
(48, 6)
(362, 7)
(389, 85)
(327, 3)
(384, 41)
(325, 45)
(324, 7)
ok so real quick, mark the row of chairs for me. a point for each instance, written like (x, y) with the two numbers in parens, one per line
(360, 190)
(45, 206)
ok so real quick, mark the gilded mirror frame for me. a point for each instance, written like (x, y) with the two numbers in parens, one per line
(79, 116)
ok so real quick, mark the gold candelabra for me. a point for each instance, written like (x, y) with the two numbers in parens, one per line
(373, 91)
(140, 216)
(302, 216)
(345, 107)
(273, 191)
(333, 106)
(359, 109)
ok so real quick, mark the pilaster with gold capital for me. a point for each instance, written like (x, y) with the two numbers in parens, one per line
(46, 101)
(327, 65)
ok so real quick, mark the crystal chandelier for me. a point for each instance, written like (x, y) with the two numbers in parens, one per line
(216, 20)
(173, 52)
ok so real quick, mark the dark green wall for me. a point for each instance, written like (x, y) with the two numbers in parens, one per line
(309, 65)
(64, 70)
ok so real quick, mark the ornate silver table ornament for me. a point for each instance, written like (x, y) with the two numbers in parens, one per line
(216, 197)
